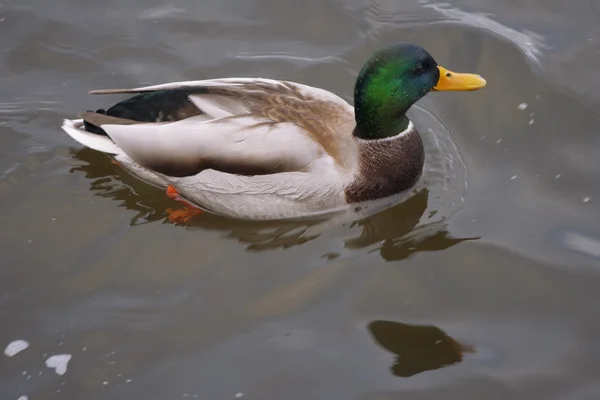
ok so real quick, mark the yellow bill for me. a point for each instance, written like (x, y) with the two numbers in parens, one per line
(458, 81)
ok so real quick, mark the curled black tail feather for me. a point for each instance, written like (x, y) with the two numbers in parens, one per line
(93, 128)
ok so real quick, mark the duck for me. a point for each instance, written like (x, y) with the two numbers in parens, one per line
(267, 149)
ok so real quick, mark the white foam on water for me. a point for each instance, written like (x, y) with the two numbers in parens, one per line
(15, 347)
(59, 363)
(23, 398)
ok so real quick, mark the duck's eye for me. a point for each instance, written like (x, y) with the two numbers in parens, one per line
(418, 70)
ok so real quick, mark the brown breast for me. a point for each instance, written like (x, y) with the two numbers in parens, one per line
(387, 167)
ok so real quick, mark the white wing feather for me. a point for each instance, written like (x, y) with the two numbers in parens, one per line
(236, 141)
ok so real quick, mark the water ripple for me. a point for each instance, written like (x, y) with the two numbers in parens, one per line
(530, 43)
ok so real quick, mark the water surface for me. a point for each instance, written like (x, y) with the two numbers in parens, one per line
(483, 284)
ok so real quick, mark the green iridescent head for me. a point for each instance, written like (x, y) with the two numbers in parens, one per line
(395, 78)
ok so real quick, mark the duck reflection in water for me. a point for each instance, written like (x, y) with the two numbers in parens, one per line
(418, 348)
(398, 240)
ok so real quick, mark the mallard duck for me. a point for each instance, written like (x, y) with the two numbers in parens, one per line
(258, 149)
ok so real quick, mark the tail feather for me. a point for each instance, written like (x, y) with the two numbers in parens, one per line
(94, 128)
(100, 142)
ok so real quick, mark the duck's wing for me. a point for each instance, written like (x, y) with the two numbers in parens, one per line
(243, 126)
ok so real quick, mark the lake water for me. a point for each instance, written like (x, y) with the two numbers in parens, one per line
(485, 284)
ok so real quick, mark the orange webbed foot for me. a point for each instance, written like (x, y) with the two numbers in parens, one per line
(184, 214)
(172, 192)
